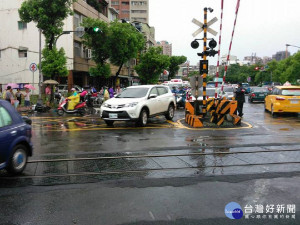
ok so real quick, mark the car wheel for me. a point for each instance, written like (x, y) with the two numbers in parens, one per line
(143, 119)
(170, 113)
(60, 112)
(109, 122)
(18, 160)
(265, 107)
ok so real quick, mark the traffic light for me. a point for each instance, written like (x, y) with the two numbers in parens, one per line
(256, 68)
(92, 30)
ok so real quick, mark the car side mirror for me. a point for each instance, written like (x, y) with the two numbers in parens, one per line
(27, 120)
(152, 96)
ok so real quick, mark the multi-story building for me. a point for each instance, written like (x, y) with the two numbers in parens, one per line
(19, 46)
(232, 60)
(82, 55)
(166, 46)
(266, 59)
(253, 59)
(139, 11)
(281, 55)
(132, 10)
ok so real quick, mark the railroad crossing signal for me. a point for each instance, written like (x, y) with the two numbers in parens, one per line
(212, 21)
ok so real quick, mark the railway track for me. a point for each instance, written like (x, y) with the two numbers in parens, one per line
(209, 161)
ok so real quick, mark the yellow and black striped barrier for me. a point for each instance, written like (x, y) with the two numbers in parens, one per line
(190, 117)
(218, 109)
(221, 108)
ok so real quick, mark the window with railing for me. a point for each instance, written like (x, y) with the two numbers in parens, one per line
(115, 3)
(138, 3)
(138, 11)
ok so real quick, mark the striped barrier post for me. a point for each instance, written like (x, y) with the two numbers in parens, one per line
(218, 62)
(228, 56)
(204, 58)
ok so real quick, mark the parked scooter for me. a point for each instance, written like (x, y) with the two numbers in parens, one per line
(79, 108)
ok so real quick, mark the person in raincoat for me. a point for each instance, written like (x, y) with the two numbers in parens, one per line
(111, 92)
(105, 93)
(74, 99)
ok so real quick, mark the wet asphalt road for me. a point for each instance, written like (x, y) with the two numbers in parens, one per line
(84, 172)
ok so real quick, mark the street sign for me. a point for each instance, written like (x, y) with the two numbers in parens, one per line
(79, 31)
(33, 67)
(212, 21)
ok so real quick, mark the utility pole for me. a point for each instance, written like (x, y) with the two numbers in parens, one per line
(40, 65)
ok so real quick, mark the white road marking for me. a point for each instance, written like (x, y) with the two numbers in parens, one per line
(151, 214)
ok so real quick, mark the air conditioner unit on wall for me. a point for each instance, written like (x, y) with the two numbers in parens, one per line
(88, 53)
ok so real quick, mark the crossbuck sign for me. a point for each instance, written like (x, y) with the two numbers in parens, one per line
(212, 21)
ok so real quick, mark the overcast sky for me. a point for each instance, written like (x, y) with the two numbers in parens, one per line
(263, 26)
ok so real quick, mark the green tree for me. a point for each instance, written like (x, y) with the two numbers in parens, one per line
(152, 64)
(48, 15)
(99, 43)
(53, 63)
(124, 43)
(175, 61)
(291, 69)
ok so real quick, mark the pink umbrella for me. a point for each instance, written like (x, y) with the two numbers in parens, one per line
(29, 86)
(13, 85)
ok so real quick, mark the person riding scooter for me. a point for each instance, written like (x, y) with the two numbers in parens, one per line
(181, 97)
(74, 99)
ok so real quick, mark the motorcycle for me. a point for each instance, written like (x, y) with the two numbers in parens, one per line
(79, 108)
(180, 99)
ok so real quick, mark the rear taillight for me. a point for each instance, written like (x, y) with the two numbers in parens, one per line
(253, 95)
(280, 98)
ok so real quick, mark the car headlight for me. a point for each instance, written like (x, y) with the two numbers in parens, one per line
(132, 104)
(105, 105)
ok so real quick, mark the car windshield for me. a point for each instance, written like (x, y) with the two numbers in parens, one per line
(260, 89)
(228, 89)
(133, 93)
(291, 92)
(61, 87)
(210, 92)
(245, 85)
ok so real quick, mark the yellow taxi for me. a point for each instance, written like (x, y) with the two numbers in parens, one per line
(283, 99)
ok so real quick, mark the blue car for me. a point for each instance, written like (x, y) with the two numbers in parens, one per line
(15, 139)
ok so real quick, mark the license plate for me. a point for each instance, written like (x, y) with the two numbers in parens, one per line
(294, 101)
(113, 115)
(262, 95)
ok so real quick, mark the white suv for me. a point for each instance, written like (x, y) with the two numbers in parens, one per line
(138, 103)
